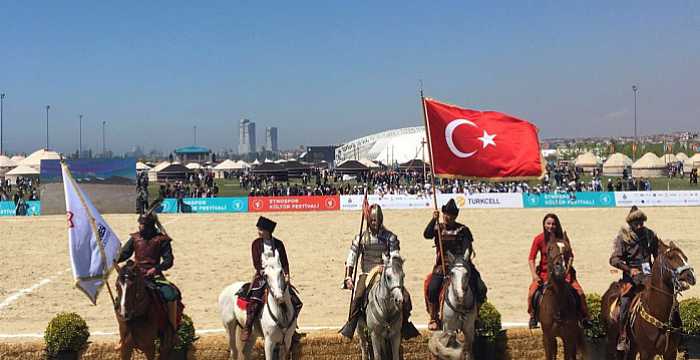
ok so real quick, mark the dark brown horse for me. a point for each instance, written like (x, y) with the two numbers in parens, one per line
(138, 316)
(654, 322)
(559, 313)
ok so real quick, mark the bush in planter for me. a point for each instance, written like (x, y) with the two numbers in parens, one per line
(690, 316)
(598, 330)
(66, 333)
(186, 334)
(489, 322)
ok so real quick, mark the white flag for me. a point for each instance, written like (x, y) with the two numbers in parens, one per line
(90, 266)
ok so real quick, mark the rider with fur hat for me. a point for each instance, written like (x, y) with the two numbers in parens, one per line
(456, 239)
(265, 243)
(376, 241)
(153, 254)
(634, 247)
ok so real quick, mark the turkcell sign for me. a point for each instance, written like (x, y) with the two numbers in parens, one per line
(484, 200)
(8, 208)
(579, 199)
(205, 205)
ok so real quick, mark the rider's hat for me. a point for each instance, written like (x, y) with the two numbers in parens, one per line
(266, 224)
(636, 215)
(450, 208)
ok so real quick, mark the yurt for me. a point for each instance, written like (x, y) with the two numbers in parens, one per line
(649, 166)
(587, 161)
(694, 161)
(682, 157)
(21, 171)
(34, 160)
(669, 158)
(616, 164)
(17, 159)
(6, 164)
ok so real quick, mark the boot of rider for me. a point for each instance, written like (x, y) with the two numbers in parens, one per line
(434, 310)
(251, 314)
(348, 330)
(172, 314)
(622, 343)
(408, 330)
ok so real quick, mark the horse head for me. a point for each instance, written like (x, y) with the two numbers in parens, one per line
(674, 266)
(459, 276)
(559, 255)
(274, 275)
(393, 277)
(131, 290)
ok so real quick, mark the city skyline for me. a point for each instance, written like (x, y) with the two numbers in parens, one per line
(328, 73)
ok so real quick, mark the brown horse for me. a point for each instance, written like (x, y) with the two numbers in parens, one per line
(559, 313)
(138, 316)
(654, 324)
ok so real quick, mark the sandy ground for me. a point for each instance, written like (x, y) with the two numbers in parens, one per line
(212, 251)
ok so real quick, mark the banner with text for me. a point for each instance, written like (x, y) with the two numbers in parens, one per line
(483, 200)
(354, 202)
(205, 205)
(30, 208)
(579, 199)
(471, 201)
(293, 203)
(657, 198)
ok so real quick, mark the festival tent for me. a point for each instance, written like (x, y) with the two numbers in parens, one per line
(399, 149)
(616, 164)
(21, 171)
(6, 164)
(17, 159)
(230, 166)
(682, 156)
(34, 160)
(351, 167)
(193, 166)
(296, 169)
(694, 161)
(649, 165)
(587, 161)
(256, 162)
(669, 158)
(370, 164)
(168, 171)
(142, 167)
(414, 165)
(271, 169)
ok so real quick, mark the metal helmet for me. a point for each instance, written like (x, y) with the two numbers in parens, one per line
(375, 213)
(148, 219)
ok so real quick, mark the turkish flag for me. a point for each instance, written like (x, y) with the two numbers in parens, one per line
(481, 144)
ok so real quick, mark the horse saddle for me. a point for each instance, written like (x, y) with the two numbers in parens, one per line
(242, 299)
(542, 289)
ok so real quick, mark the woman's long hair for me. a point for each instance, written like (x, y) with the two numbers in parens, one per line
(558, 232)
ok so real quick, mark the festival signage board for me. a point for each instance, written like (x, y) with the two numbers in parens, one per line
(484, 200)
(205, 205)
(293, 203)
(657, 198)
(578, 199)
(8, 208)
(354, 202)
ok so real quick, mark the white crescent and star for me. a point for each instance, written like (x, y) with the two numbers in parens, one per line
(486, 138)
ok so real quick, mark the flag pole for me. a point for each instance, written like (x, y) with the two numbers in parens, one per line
(95, 231)
(432, 180)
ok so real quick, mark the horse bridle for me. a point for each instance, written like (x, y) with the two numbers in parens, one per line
(386, 324)
(456, 309)
(675, 273)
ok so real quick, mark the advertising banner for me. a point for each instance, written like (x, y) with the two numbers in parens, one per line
(294, 203)
(354, 202)
(484, 200)
(205, 205)
(579, 199)
(657, 198)
(8, 208)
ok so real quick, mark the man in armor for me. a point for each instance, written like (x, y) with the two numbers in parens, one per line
(374, 242)
(633, 249)
(153, 254)
(456, 239)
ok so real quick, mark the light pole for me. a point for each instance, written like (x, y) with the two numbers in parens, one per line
(2, 98)
(634, 89)
(104, 144)
(80, 142)
(47, 126)
(195, 134)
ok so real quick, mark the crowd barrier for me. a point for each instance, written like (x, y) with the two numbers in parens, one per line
(464, 201)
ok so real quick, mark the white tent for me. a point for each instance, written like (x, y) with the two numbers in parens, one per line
(649, 165)
(368, 163)
(142, 167)
(243, 164)
(256, 162)
(694, 161)
(669, 158)
(34, 160)
(17, 159)
(398, 149)
(682, 156)
(21, 171)
(228, 164)
(193, 166)
(616, 164)
(6, 162)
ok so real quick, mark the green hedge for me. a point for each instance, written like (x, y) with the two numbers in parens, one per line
(66, 332)
(186, 333)
(597, 330)
(489, 321)
(690, 315)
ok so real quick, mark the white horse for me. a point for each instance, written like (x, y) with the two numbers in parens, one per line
(277, 322)
(459, 314)
(384, 314)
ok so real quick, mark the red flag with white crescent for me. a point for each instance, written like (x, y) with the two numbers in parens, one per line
(481, 144)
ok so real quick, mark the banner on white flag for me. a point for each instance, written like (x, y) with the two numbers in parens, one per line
(92, 244)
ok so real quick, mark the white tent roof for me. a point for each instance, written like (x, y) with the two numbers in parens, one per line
(587, 159)
(17, 158)
(694, 159)
(6, 162)
(142, 166)
(228, 164)
(23, 170)
(35, 158)
(682, 156)
(368, 163)
(193, 166)
(160, 166)
(256, 162)
(669, 158)
(400, 149)
(243, 164)
(649, 161)
(618, 160)
(280, 161)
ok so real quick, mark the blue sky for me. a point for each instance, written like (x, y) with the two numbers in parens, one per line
(328, 71)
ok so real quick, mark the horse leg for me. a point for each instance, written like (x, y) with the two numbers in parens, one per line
(269, 348)
(569, 349)
(396, 346)
(231, 333)
(378, 346)
(241, 347)
(364, 341)
(550, 347)
(126, 350)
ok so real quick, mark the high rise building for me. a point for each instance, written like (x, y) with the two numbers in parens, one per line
(246, 141)
(271, 139)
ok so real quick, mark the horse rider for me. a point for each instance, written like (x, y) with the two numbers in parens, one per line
(456, 239)
(153, 254)
(374, 242)
(632, 253)
(265, 243)
(551, 231)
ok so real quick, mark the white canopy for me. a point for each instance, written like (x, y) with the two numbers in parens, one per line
(17, 159)
(142, 166)
(232, 165)
(682, 156)
(35, 158)
(6, 162)
(368, 163)
(256, 162)
(398, 149)
(160, 166)
(23, 170)
(669, 158)
(193, 166)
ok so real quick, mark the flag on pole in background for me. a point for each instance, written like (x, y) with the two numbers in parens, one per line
(92, 244)
(481, 144)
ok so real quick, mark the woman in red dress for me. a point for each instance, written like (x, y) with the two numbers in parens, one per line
(551, 229)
